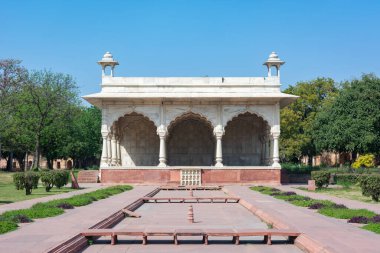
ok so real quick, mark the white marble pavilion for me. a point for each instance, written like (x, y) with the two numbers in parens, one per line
(190, 130)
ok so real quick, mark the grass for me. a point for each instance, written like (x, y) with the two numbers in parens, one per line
(351, 192)
(374, 227)
(9, 194)
(345, 213)
(9, 219)
(329, 208)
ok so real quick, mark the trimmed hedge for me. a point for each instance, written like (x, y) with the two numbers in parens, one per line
(371, 186)
(321, 178)
(57, 178)
(26, 180)
(293, 168)
(9, 219)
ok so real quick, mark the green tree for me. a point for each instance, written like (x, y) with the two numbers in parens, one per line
(85, 139)
(48, 100)
(13, 140)
(351, 122)
(297, 119)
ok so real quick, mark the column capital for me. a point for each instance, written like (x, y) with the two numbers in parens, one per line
(104, 134)
(218, 131)
(162, 131)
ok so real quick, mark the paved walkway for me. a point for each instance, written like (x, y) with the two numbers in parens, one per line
(336, 235)
(355, 204)
(44, 234)
(31, 202)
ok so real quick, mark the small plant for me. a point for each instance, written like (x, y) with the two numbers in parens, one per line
(26, 180)
(375, 219)
(339, 206)
(321, 178)
(65, 206)
(316, 206)
(19, 218)
(364, 161)
(359, 219)
(370, 186)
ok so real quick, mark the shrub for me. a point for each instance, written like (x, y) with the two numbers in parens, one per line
(359, 219)
(19, 218)
(26, 180)
(376, 219)
(47, 179)
(364, 161)
(317, 205)
(7, 226)
(292, 168)
(65, 206)
(56, 178)
(61, 178)
(370, 186)
(339, 206)
(321, 178)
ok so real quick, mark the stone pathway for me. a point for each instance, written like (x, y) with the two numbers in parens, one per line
(43, 234)
(336, 235)
(31, 202)
(355, 204)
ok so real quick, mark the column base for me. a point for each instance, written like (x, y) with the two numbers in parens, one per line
(218, 164)
(276, 165)
(162, 164)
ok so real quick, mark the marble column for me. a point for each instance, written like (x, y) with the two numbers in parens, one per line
(104, 159)
(114, 151)
(162, 133)
(109, 149)
(218, 132)
(118, 149)
(276, 153)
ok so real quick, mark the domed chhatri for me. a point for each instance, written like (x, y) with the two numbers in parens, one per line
(273, 61)
(107, 61)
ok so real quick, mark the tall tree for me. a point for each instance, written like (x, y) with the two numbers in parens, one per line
(48, 99)
(297, 119)
(351, 122)
(85, 142)
(13, 77)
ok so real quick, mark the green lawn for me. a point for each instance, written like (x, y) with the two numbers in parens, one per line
(9, 194)
(353, 192)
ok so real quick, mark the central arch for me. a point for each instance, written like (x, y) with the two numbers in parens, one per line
(190, 141)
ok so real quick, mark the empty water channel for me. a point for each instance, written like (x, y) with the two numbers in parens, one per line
(158, 213)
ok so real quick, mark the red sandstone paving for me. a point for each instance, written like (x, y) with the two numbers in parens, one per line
(31, 202)
(46, 233)
(347, 202)
(333, 233)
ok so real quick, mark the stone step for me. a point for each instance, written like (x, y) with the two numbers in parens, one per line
(88, 176)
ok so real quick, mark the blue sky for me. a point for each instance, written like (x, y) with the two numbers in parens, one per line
(330, 38)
